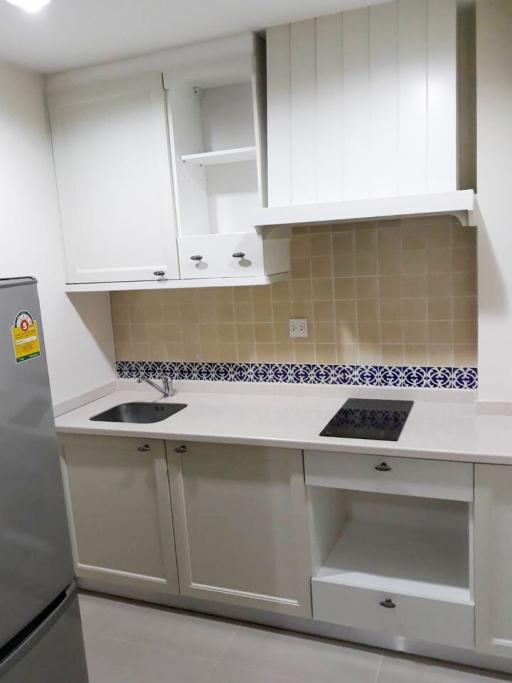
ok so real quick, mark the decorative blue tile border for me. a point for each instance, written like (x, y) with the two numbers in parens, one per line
(418, 377)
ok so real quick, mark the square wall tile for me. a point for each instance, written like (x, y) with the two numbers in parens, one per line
(394, 292)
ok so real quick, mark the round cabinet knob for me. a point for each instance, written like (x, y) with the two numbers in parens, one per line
(239, 254)
(160, 274)
(196, 257)
(383, 467)
(143, 449)
(387, 603)
(180, 449)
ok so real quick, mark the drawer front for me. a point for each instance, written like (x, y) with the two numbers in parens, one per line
(434, 621)
(209, 256)
(399, 476)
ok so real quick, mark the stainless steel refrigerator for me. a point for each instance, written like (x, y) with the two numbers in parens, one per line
(40, 629)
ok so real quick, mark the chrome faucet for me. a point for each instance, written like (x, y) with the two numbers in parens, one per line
(166, 388)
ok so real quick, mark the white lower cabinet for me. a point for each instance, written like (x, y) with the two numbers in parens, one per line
(493, 559)
(392, 545)
(434, 621)
(401, 476)
(246, 526)
(241, 525)
(119, 511)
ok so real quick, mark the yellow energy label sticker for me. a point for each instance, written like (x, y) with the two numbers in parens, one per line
(25, 337)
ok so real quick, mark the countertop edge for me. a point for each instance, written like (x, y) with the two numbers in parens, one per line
(364, 449)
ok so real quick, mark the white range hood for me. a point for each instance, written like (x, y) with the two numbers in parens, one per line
(370, 115)
(459, 203)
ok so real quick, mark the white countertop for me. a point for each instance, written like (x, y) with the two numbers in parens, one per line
(441, 426)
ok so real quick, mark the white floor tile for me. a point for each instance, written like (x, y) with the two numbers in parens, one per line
(233, 673)
(301, 658)
(396, 669)
(160, 627)
(119, 661)
(132, 643)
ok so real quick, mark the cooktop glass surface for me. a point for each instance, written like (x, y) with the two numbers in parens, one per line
(362, 418)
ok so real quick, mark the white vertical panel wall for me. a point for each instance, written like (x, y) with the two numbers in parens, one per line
(303, 112)
(356, 105)
(441, 106)
(278, 115)
(363, 104)
(412, 97)
(329, 107)
(384, 100)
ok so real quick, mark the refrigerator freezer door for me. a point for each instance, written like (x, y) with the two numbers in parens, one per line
(35, 556)
(54, 653)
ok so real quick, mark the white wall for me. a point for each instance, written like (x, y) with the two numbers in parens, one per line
(494, 180)
(78, 330)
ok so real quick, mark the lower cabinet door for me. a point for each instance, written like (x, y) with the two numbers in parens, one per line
(241, 525)
(119, 510)
(493, 559)
(435, 621)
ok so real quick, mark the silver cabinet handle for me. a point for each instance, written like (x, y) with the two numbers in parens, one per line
(143, 449)
(159, 273)
(387, 603)
(239, 254)
(196, 257)
(180, 449)
(383, 467)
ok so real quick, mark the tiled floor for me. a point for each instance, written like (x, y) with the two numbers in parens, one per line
(131, 643)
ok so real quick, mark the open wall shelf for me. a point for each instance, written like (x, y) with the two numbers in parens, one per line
(218, 148)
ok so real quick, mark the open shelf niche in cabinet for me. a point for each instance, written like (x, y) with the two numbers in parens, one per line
(218, 146)
(393, 563)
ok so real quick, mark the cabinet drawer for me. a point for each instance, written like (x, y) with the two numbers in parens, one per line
(209, 256)
(435, 621)
(399, 476)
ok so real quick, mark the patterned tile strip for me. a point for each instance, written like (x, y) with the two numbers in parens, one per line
(418, 377)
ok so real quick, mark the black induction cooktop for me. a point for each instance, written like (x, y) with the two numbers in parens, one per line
(363, 418)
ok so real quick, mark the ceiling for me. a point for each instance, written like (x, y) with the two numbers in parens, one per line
(72, 33)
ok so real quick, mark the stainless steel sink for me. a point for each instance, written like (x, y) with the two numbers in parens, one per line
(139, 412)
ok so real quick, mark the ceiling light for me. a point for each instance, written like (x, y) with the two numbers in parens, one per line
(30, 5)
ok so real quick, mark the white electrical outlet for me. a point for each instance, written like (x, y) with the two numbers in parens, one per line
(298, 327)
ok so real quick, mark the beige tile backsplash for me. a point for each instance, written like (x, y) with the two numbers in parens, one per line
(396, 292)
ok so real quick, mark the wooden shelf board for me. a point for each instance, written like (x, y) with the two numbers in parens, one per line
(177, 284)
(430, 563)
(459, 204)
(223, 156)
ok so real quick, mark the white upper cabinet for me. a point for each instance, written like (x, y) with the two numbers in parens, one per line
(218, 140)
(158, 184)
(114, 180)
(363, 106)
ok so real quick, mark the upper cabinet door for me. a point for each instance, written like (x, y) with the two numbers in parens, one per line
(114, 179)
